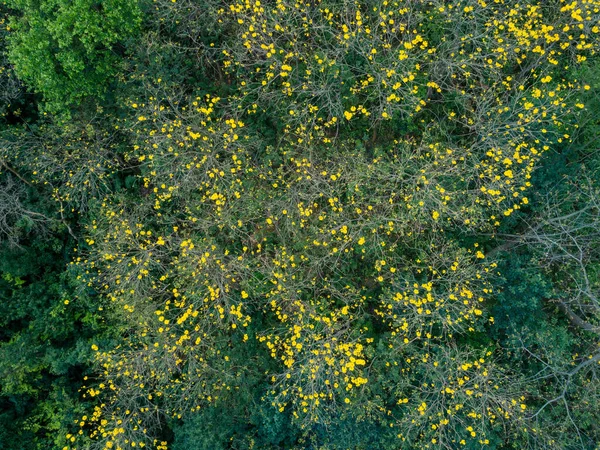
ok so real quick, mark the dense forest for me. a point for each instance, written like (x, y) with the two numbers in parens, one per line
(299, 224)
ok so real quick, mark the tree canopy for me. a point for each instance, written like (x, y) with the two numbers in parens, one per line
(303, 224)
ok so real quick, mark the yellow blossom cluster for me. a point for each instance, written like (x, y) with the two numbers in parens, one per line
(400, 126)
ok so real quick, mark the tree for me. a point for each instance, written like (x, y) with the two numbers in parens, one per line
(65, 50)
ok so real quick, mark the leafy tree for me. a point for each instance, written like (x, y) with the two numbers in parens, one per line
(44, 343)
(67, 50)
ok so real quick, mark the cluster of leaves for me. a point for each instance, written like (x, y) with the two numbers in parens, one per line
(66, 50)
(306, 224)
(45, 339)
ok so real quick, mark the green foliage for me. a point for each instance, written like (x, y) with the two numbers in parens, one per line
(44, 343)
(9, 83)
(67, 49)
(519, 302)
